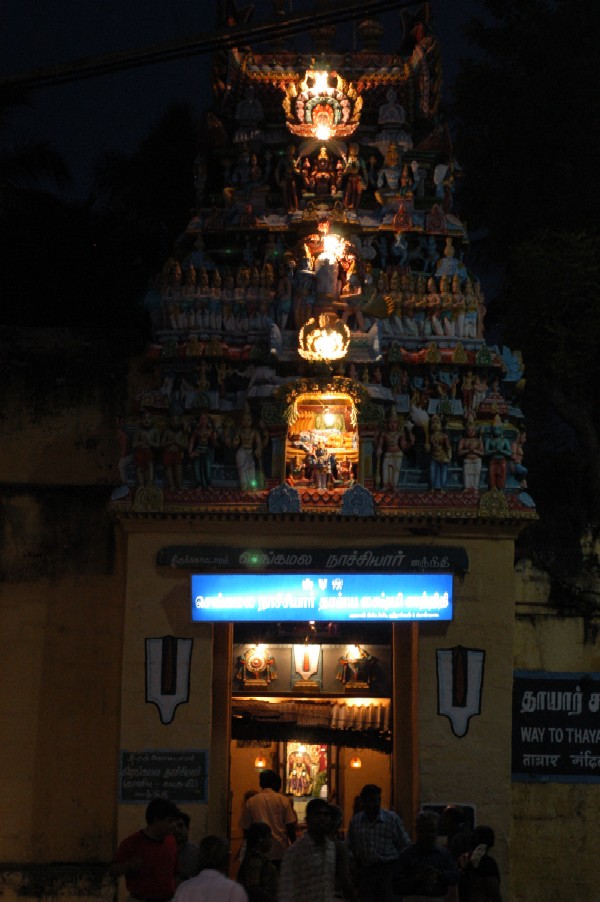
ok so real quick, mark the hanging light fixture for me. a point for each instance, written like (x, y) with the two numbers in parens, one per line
(321, 104)
(323, 339)
(260, 762)
(355, 762)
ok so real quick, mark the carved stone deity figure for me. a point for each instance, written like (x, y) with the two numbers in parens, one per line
(391, 112)
(323, 177)
(248, 114)
(174, 444)
(283, 295)
(497, 449)
(516, 456)
(201, 449)
(392, 121)
(248, 446)
(146, 442)
(391, 444)
(289, 177)
(470, 454)
(354, 178)
(439, 454)
(388, 179)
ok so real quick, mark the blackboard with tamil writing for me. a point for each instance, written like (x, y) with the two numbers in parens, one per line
(178, 775)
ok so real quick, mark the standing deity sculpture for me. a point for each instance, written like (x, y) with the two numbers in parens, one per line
(440, 453)
(146, 443)
(354, 178)
(498, 450)
(470, 454)
(391, 445)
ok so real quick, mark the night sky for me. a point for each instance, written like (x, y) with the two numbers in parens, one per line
(85, 119)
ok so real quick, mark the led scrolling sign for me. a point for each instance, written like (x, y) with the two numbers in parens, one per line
(323, 597)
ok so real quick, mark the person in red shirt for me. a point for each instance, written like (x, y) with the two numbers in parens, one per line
(148, 858)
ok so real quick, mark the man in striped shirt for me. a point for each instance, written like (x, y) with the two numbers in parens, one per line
(376, 837)
(308, 867)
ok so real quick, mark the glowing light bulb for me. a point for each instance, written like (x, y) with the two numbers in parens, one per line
(323, 132)
(321, 85)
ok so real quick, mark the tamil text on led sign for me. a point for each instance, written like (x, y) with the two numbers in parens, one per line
(321, 596)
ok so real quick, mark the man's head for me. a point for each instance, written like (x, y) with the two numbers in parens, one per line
(160, 817)
(259, 837)
(214, 853)
(370, 797)
(427, 828)
(181, 828)
(318, 818)
(268, 779)
(452, 819)
(483, 836)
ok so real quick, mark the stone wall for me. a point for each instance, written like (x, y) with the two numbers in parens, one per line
(60, 614)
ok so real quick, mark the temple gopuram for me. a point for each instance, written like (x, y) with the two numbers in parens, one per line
(319, 336)
(297, 551)
(322, 461)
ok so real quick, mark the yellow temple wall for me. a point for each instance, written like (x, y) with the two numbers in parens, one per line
(157, 605)
(60, 676)
(474, 769)
(72, 695)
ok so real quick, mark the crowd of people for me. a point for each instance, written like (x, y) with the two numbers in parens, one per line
(376, 861)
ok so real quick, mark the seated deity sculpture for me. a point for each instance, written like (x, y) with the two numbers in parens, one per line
(388, 179)
(248, 114)
(392, 119)
(391, 112)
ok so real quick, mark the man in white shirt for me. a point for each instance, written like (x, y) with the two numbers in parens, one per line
(211, 884)
(269, 807)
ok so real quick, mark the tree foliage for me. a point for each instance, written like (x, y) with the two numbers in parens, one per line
(527, 107)
(88, 264)
(527, 111)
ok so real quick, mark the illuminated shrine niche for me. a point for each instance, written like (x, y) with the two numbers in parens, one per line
(322, 442)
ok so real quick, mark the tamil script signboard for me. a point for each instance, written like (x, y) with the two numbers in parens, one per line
(179, 775)
(556, 727)
(323, 597)
(400, 558)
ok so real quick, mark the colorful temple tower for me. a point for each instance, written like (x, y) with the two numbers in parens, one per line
(317, 326)
(319, 400)
(318, 415)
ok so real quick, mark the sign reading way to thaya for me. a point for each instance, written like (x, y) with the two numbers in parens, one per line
(556, 727)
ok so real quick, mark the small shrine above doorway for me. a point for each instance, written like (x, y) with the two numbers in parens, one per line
(322, 441)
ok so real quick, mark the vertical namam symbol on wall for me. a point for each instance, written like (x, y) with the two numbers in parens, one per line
(168, 674)
(460, 684)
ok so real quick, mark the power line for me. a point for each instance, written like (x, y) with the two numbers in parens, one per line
(92, 67)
